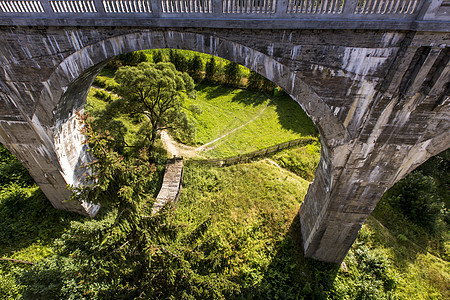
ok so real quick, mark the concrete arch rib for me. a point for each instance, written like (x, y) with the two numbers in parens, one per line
(66, 90)
(86, 62)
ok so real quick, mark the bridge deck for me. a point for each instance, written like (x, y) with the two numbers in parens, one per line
(266, 14)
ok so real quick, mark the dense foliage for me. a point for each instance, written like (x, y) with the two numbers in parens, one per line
(259, 83)
(302, 161)
(129, 251)
(156, 92)
(233, 74)
(417, 198)
(211, 69)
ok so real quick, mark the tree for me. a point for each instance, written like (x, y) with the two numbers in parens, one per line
(180, 61)
(157, 92)
(254, 81)
(127, 252)
(417, 197)
(196, 67)
(210, 69)
(132, 58)
(127, 59)
(158, 56)
(233, 73)
(258, 82)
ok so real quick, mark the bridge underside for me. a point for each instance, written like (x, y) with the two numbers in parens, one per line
(380, 99)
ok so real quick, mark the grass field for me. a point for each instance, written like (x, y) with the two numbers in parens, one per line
(261, 120)
(251, 212)
(255, 120)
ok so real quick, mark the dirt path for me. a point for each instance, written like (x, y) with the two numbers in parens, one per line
(177, 149)
(181, 150)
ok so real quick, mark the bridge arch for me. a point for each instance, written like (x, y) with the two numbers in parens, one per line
(380, 102)
(81, 66)
(69, 84)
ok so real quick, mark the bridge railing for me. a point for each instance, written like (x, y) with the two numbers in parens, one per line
(371, 9)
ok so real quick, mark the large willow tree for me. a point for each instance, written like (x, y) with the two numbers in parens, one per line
(156, 92)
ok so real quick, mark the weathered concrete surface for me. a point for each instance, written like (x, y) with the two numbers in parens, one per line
(419, 15)
(380, 99)
(171, 186)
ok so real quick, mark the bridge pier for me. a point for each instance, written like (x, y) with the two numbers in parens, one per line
(37, 155)
(349, 182)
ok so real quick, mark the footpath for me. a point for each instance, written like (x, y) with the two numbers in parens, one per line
(171, 186)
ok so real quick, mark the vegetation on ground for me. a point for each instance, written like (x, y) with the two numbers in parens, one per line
(302, 161)
(217, 111)
(234, 234)
(28, 223)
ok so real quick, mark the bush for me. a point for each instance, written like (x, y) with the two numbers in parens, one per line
(179, 60)
(302, 161)
(158, 56)
(132, 58)
(196, 67)
(417, 198)
(106, 84)
(258, 82)
(103, 95)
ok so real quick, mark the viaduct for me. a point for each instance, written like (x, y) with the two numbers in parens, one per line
(373, 75)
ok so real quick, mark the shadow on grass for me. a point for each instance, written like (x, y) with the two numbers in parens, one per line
(292, 117)
(292, 276)
(26, 216)
(250, 98)
(213, 91)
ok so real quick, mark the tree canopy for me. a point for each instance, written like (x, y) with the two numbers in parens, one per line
(157, 92)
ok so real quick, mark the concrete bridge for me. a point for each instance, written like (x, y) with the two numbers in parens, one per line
(373, 75)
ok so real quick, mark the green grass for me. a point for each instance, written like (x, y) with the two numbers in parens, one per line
(251, 212)
(28, 223)
(96, 106)
(267, 120)
(417, 274)
(302, 160)
(223, 110)
(249, 209)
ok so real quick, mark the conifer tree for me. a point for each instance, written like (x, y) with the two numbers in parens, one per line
(211, 69)
(233, 74)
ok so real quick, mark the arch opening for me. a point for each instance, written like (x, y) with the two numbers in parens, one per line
(72, 79)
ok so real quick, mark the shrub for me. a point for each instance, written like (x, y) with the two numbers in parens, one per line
(417, 198)
(106, 84)
(132, 58)
(105, 96)
(258, 82)
(179, 60)
(158, 56)
(196, 67)
(302, 161)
